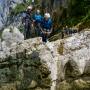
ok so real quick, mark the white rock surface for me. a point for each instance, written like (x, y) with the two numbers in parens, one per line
(76, 50)
(12, 35)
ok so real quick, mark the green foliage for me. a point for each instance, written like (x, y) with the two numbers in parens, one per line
(78, 7)
(77, 11)
(85, 22)
(21, 28)
(72, 21)
(20, 7)
(55, 37)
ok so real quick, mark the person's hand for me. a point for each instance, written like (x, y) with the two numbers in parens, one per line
(34, 21)
(32, 25)
(44, 32)
(48, 33)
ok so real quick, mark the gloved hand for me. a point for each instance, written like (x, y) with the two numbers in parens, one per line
(32, 25)
(44, 32)
(23, 23)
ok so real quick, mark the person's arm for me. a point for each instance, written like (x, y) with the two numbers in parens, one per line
(50, 30)
(23, 18)
(43, 31)
(33, 23)
(23, 21)
(33, 20)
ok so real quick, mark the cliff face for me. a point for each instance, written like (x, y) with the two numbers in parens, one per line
(5, 8)
(59, 65)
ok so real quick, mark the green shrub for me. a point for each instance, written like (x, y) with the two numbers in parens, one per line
(20, 7)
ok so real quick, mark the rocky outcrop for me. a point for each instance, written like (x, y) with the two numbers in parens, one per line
(5, 8)
(25, 68)
(59, 65)
(12, 35)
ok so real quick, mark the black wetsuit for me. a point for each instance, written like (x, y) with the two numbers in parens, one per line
(27, 21)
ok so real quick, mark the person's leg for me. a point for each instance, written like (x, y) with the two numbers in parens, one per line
(28, 33)
(36, 31)
(70, 32)
(67, 31)
(62, 34)
(44, 39)
(25, 31)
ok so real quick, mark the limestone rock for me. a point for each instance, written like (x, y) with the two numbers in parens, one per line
(44, 64)
(38, 88)
(8, 87)
(11, 36)
(5, 8)
(33, 84)
(64, 86)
